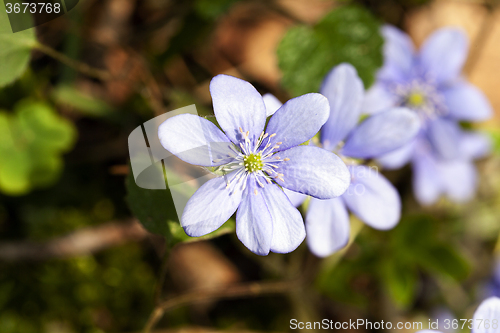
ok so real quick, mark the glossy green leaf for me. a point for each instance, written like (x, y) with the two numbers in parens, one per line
(15, 50)
(347, 34)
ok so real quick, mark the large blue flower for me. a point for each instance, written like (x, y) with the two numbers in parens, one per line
(429, 83)
(370, 195)
(254, 162)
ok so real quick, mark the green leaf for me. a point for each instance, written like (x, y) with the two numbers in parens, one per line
(347, 34)
(86, 104)
(400, 281)
(153, 208)
(444, 260)
(211, 9)
(31, 143)
(179, 235)
(41, 126)
(15, 50)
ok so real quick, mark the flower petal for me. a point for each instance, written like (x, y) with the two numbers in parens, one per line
(382, 133)
(459, 179)
(296, 198)
(209, 208)
(272, 104)
(237, 104)
(327, 226)
(399, 55)
(313, 171)
(443, 54)
(288, 226)
(373, 198)
(377, 99)
(486, 313)
(399, 157)
(444, 136)
(474, 145)
(427, 184)
(195, 140)
(345, 92)
(254, 226)
(467, 102)
(298, 120)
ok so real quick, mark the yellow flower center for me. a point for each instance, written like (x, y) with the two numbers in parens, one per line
(253, 162)
(416, 99)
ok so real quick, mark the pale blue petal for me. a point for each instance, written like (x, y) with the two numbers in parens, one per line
(372, 198)
(382, 133)
(313, 171)
(487, 312)
(345, 92)
(443, 54)
(288, 226)
(254, 226)
(195, 140)
(444, 136)
(378, 98)
(426, 179)
(474, 145)
(398, 55)
(396, 159)
(298, 120)
(210, 206)
(327, 226)
(459, 179)
(272, 104)
(237, 104)
(296, 198)
(466, 102)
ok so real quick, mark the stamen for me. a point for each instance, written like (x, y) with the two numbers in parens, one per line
(274, 134)
(255, 191)
(286, 159)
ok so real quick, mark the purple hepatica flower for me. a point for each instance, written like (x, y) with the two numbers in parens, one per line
(254, 162)
(486, 318)
(429, 83)
(370, 196)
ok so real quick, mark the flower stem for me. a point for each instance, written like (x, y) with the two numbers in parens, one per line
(75, 64)
(254, 289)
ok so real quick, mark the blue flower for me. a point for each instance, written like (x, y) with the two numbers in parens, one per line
(429, 82)
(370, 195)
(254, 162)
(485, 320)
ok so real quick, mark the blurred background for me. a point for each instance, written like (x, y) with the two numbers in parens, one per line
(74, 255)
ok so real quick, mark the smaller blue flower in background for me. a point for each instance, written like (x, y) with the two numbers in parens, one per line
(486, 319)
(254, 162)
(370, 196)
(429, 82)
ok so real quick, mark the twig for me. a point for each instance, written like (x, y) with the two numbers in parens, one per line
(81, 242)
(254, 289)
(75, 64)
